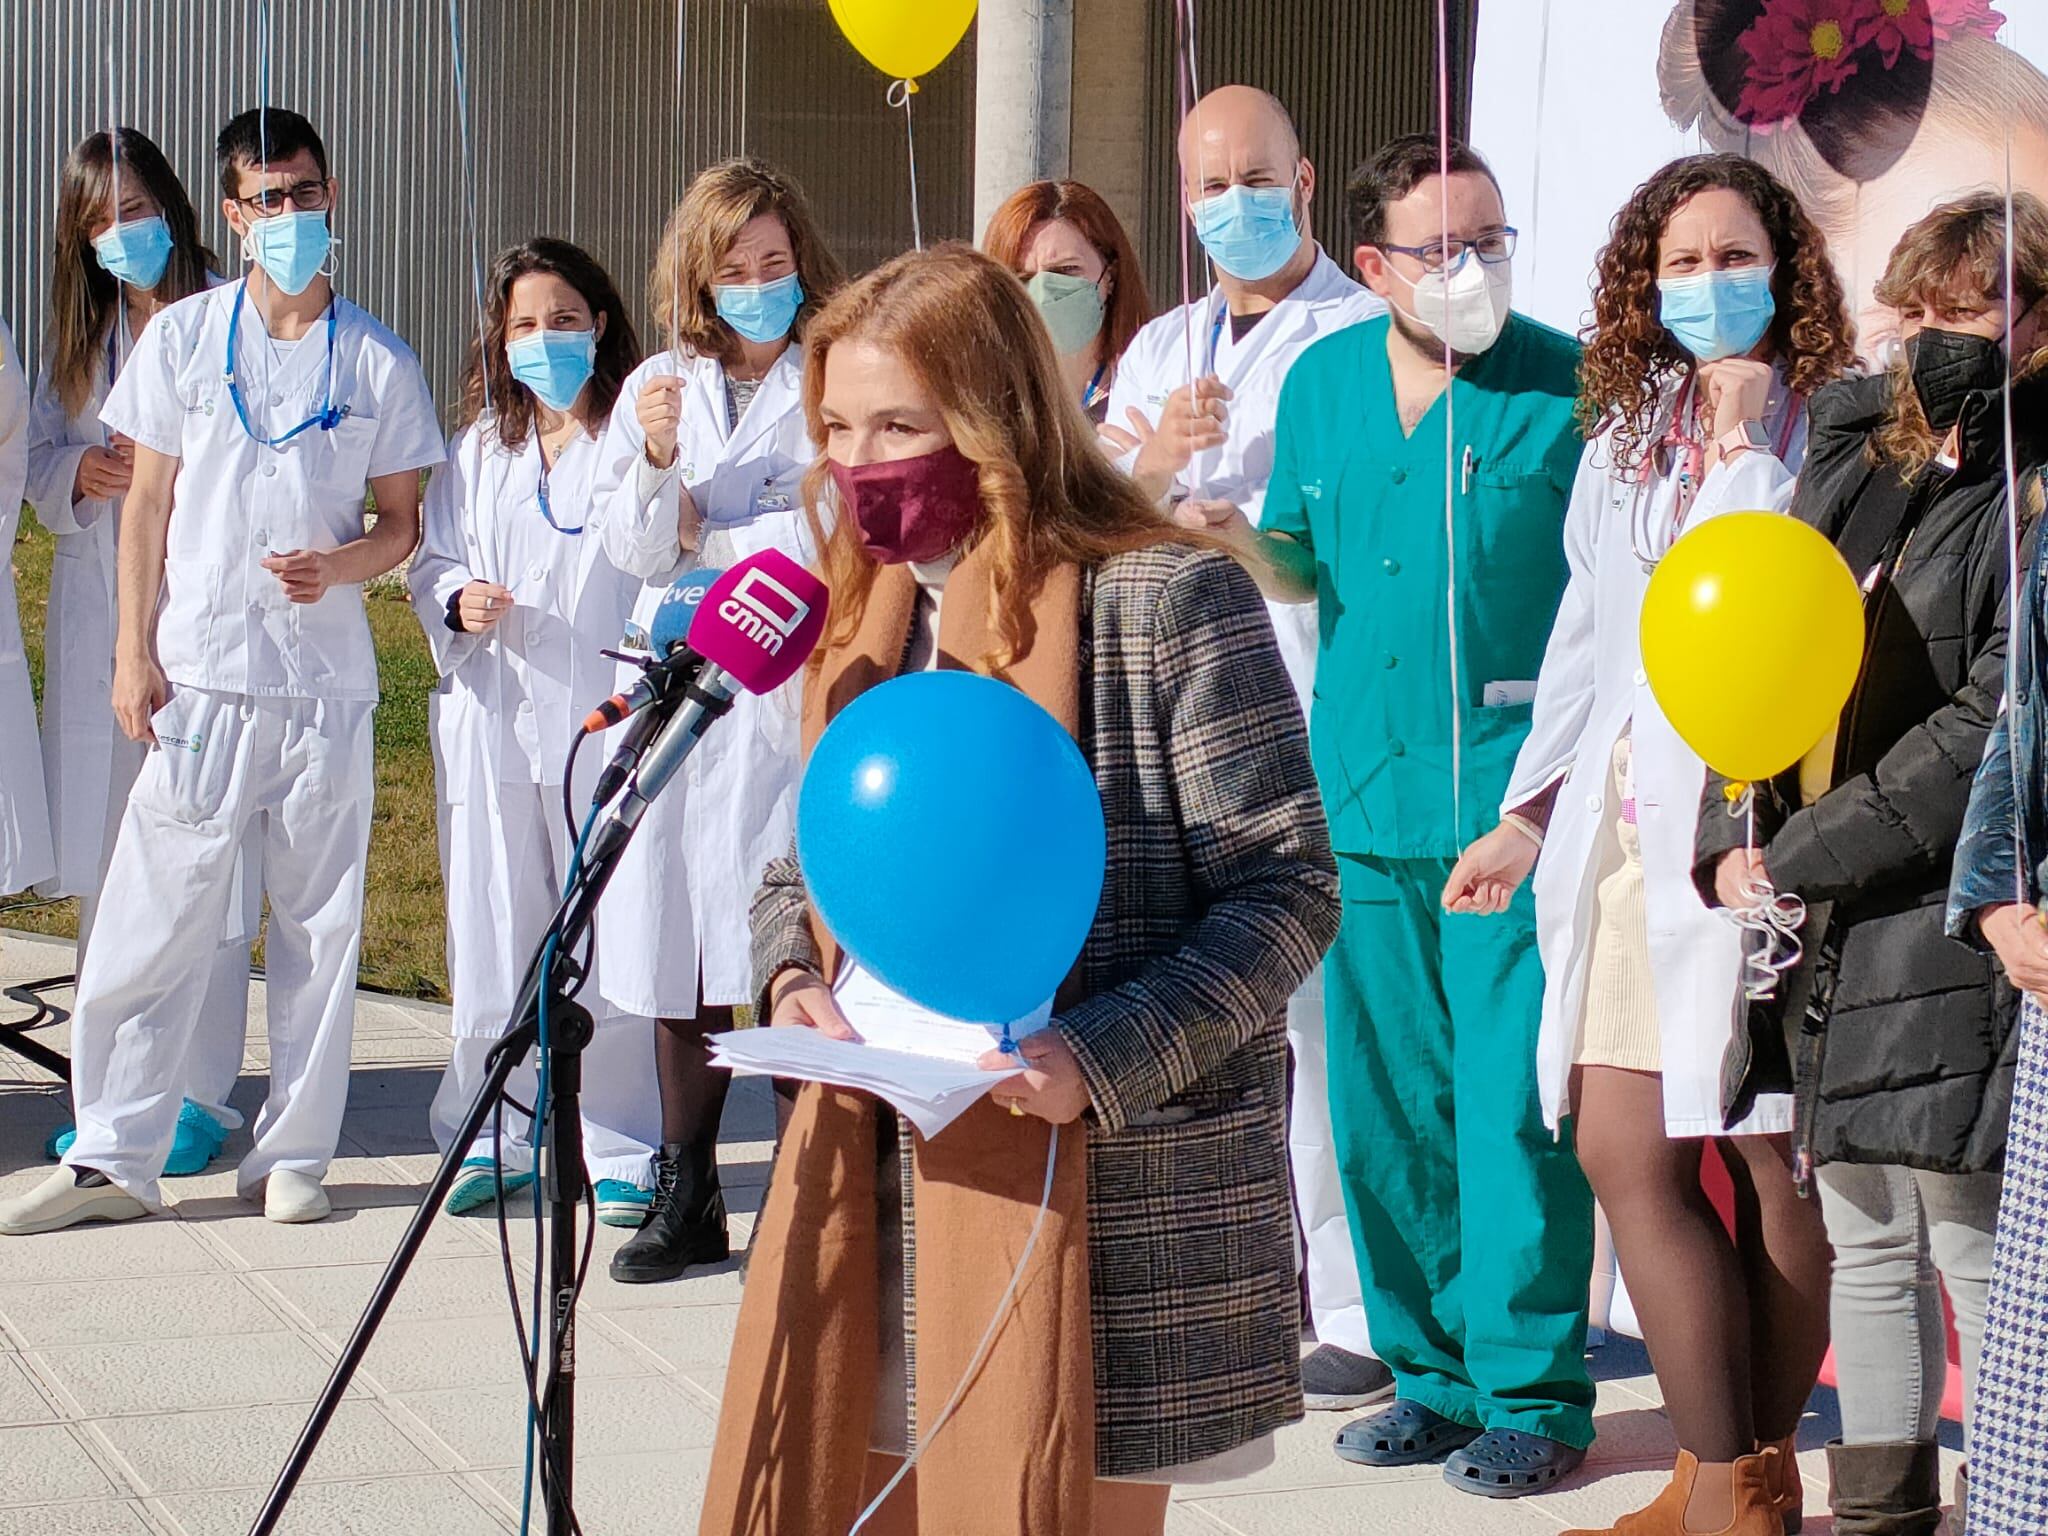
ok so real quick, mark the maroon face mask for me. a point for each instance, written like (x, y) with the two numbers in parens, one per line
(911, 509)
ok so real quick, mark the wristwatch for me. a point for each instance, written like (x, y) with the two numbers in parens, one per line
(1744, 434)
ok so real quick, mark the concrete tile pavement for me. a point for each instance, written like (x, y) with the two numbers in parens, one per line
(154, 1374)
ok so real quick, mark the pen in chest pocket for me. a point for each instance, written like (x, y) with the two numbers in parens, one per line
(1465, 477)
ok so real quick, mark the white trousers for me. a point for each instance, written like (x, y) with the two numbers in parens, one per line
(300, 771)
(1336, 1300)
(214, 1063)
(504, 861)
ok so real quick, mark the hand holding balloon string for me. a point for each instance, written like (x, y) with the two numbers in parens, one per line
(1771, 919)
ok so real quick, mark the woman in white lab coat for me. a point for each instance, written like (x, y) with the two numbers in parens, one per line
(1717, 315)
(25, 855)
(518, 601)
(127, 246)
(701, 468)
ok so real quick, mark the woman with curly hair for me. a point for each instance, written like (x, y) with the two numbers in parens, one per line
(1717, 316)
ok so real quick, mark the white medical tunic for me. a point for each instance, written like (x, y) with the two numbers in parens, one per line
(225, 623)
(1200, 334)
(26, 855)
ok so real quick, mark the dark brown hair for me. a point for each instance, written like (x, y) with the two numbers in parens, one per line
(83, 294)
(966, 327)
(719, 203)
(1129, 305)
(1629, 353)
(618, 348)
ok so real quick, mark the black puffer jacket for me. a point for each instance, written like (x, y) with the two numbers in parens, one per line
(1900, 1042)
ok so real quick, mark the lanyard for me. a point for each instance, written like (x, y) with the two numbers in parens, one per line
(327, 418)
(1088, 395)
(547, 506)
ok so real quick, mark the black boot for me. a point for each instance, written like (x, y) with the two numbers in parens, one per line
(1885, 1490)
(687, 1222)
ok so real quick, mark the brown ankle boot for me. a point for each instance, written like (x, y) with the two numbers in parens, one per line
(1787, 1491)
(1756, 1508)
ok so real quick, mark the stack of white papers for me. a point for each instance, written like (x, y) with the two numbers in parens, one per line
(920, 1062)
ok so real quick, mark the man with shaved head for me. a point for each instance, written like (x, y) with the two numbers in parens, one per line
(1192, 414)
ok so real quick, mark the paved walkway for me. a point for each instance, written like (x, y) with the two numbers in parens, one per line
(153, 1374)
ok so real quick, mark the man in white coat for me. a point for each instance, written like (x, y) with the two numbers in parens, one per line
(261, 413)
(25, 850)
(1192, 416)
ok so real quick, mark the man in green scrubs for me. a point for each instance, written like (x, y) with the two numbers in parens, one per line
(1427, 524)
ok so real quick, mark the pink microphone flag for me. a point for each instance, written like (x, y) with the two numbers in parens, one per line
(760, 620)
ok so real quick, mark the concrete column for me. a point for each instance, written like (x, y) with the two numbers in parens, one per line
(1023, 98)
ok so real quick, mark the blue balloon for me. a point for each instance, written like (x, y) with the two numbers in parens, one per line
(951, 835)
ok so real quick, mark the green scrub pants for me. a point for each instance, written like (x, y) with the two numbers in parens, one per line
(1474, 1226)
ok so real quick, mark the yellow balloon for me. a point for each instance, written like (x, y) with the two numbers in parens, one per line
(904, 38)
(1752, 635)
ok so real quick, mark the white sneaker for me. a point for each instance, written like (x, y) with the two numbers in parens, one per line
(290, 1196)
(62, 1201)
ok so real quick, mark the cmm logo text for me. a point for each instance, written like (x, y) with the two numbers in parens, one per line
(764, 610)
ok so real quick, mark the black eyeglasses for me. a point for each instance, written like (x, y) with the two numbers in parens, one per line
(1439, 255)
(307, 196)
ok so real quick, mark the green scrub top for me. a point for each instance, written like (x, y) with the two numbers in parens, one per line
(1366, 504)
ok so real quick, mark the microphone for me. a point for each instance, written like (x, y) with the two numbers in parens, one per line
(668, 642)
(754, 628)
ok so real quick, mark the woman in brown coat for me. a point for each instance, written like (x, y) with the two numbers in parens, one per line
(1154, 1335)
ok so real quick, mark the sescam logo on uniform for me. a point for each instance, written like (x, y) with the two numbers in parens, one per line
(764, 610)
(190, 743)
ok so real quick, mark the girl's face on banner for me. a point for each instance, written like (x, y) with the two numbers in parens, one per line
(1938, 169)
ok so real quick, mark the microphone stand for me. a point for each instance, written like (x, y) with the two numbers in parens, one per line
(564, 1176)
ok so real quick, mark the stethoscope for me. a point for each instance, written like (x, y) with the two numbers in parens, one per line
(327, 418)
(1644, 538)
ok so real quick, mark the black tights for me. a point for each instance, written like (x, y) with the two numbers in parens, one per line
(692, 1090)
(1736, 1330)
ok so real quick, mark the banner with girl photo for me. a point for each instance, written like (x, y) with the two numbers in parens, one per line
(1871, 111)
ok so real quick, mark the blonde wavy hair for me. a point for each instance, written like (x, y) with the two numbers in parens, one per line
(718, 204)
(1049, 497)
(1957, 251)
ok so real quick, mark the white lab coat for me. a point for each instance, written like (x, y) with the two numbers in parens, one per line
(268, 725)
(1592, 688)
(87, 760)
(510, 700)
(685, 887)
(26, 854)
(1156, 364)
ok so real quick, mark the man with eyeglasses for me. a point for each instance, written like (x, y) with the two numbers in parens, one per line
(1421, 471)
(264, 413)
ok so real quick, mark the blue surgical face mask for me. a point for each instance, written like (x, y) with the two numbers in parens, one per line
(1249, 231)
(136, 252)
(555, 365)
(291, 247)
(761, 312)
(1718, 314)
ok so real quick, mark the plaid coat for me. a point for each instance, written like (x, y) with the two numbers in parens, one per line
(1220, 898)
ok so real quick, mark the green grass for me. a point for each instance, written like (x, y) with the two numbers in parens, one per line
(403, 909)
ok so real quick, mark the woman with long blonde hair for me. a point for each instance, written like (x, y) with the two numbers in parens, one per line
(969, 522)
(701, 467)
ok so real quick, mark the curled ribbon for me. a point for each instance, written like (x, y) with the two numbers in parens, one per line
(1770, 920)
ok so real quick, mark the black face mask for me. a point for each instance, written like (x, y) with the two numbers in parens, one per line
(1948, 367)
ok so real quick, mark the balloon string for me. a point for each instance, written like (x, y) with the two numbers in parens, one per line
(1770, 921)
(900, 93)
(2014, 579)
(1443, 145)
(469, 193)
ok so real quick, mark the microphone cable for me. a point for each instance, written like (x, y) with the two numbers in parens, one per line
(980, 1355)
